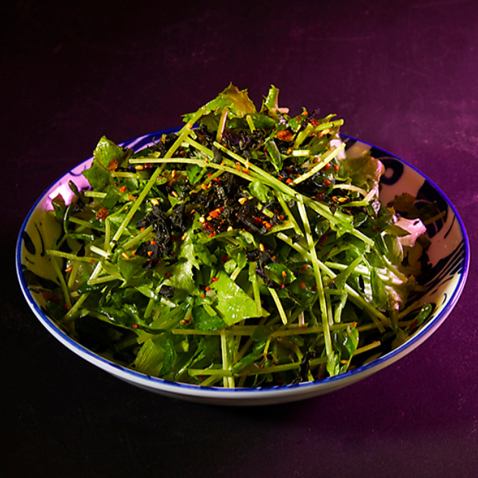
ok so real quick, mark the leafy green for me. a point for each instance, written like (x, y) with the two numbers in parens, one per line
(242, 250)
(156, 356)
(233, 303)
(107, 156)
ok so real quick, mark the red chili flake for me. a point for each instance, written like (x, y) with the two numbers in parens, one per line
(224, 258)
(150, 253)
(257, 220)
(267, 225)
(208, 226)
(207, 288)
(327, 166)
(215, 213)
(302, 284)
(336, 167)
(284, 274)
(282, 286)
(123, 189)
(285, 135)
(289, 181)
(134, 326)
(211, 235)
(305, 267)
(202, 295)
(281, 217)
(113, 165)
(327, 182)
(102, 213)
(314, 121)
(153, 242)
(214, 279)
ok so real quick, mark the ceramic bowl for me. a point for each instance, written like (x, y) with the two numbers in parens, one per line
(445, 279)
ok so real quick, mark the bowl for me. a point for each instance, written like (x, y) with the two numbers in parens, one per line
(445, 278)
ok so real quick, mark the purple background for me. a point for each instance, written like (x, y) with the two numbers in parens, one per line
(404, 77)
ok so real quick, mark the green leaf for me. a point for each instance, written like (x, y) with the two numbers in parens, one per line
(379, 293)
(131, 267)
(107, 152)
(260, 191)
(274, 154)
(348, 339)
(251, 357)
(97, 176)
(202, 320)
(279, 273)
(208, 351)
(195, 173)
(112, 197)
(107, 156)
(126, 314)
(424, 313)
(263, 121)
(188, 251)
(156, 356)
(364, 171)
(182, 276)
(333, 364)
(271, 101)
(235, 100)
(168, 317)
(59, 206)
(232, 302)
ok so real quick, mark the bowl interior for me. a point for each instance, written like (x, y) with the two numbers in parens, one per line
(442, 280)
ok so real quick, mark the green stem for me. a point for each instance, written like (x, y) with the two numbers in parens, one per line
(315, 169)
(72, 257)
(354, 295)
(255, 286)
(278, 304)
(61, 279)
(324, 309)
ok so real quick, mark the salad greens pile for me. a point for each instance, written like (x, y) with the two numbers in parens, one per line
(246, 249)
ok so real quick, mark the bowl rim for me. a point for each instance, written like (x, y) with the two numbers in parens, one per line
(185, 389)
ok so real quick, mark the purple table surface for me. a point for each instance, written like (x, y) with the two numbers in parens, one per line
(402, 74)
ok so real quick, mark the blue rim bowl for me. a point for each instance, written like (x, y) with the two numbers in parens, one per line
(449, 256)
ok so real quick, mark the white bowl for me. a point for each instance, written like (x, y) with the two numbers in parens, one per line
(449, 259)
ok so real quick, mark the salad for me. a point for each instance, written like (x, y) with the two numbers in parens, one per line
(245, 249)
